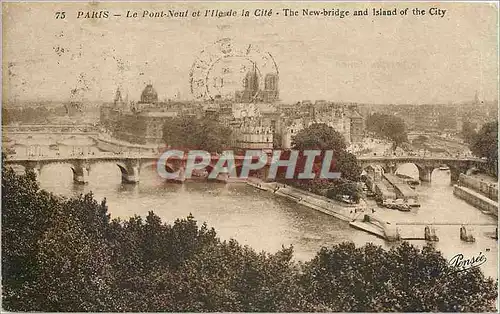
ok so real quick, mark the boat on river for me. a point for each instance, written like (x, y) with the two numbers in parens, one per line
(400, 205)
(412, 203)
(403, 207)
(413, 182)
(444, 168)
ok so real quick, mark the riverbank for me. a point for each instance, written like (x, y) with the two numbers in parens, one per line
(476, 199)
(345, 212)
(359, 216)
(389, 225)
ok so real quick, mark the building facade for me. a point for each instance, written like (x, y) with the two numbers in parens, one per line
(138, 123)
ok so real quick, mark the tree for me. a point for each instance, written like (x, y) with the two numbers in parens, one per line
(42, 236)
(485, 144)
(468, 132)
(344, 187)
(348, 166)
(319, 136)
(66, 255)
(345, 278)
(188, 132)
(388, 126)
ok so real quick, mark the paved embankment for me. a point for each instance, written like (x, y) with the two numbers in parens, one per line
(476, 199)
(320, 203)
(354, 214)
(381, 222)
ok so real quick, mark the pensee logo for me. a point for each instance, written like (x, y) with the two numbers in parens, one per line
(307, 164)
(462, 263)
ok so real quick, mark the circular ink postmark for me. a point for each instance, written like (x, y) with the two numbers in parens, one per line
(227, 70)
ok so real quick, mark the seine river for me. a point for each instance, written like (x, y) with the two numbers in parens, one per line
(267, 222)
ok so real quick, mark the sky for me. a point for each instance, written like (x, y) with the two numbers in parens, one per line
(366, 59)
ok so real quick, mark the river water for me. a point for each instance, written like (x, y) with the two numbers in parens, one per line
(267, 222)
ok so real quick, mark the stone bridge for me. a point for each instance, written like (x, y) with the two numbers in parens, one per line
(80, 165)
(130, 165)
(425, 165)
(49, 128)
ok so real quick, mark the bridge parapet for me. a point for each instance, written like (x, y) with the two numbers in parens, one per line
(425, 165)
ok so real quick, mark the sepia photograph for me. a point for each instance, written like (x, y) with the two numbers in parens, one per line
(249, 156)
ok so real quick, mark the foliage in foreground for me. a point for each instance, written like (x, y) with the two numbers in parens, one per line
(63, 254)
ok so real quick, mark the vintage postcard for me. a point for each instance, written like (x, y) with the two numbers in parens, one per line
(250, 156)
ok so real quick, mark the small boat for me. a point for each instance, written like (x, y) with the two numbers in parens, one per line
(403, 207)
(371, 194)
(444, 167)
(400, 205)
(412, 203)
(389, 204)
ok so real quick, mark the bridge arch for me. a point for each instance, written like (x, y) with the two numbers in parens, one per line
(78, 171)
(424, 171)
(123, 168)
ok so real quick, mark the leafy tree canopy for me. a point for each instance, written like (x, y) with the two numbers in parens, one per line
(389, 127)
(68, 255)
(468, 132)
(187, 132)
(319, 136)
(485, 144)
(348, 188)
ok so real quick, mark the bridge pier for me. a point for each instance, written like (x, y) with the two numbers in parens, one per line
(130, 171)
(465, 235)
(80, 173)
(425, 174)
(430, 234)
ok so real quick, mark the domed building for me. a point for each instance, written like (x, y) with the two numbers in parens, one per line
(149, 95)
(137, 122)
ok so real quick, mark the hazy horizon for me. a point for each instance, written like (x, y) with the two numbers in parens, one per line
(370, 60)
